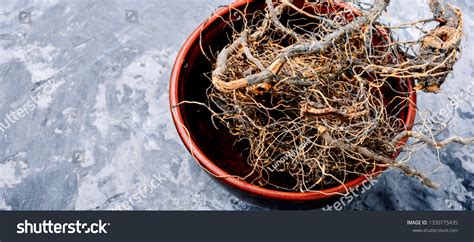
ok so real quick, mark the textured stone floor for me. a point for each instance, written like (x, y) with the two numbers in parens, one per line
(92, 78)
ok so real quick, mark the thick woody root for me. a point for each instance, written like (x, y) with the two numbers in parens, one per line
(440, 46)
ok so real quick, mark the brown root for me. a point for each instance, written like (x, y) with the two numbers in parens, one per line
(317, 96)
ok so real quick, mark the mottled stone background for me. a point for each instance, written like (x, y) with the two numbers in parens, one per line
(104, 135)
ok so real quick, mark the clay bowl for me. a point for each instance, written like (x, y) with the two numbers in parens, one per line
(215, 149)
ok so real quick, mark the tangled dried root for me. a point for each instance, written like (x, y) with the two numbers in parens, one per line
(320, 91)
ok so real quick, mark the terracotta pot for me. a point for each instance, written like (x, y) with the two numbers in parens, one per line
(215, 149)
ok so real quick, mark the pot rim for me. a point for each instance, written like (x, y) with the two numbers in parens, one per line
(227, 178)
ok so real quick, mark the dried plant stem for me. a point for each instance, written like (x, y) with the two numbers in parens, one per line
(380, 158)
(437, 144)
(310, 48)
